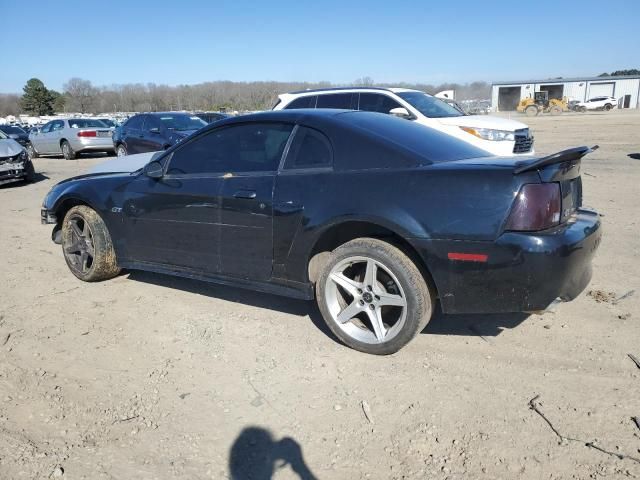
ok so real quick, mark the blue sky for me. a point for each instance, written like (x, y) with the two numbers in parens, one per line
(177, 42)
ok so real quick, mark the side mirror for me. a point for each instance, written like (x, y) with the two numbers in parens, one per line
(154, 170)
(154, 130)
(400, 112)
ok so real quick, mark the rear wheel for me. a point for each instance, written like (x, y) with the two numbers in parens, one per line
(87, 246)
(373, 297)
(531, 111)
(555, 110)
(121, 151)
(67, 151)
(583, 109)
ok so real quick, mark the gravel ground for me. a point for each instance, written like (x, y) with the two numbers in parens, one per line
(152, 377)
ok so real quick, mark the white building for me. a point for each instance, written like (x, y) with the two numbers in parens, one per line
(505, 96)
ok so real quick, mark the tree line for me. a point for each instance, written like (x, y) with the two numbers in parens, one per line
(82, 96)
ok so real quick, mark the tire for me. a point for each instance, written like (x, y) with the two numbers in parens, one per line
(555, 110)
(87, 246)
(31, 151)
(30, 172)
(531, 111)
(67, 151)
(121, 151)
(400, 296)
(607, 107)
(583, 109)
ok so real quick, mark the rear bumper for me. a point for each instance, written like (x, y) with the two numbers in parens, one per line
(523, 272)
(98, 144)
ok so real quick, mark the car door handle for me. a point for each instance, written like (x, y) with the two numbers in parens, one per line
(250, 194)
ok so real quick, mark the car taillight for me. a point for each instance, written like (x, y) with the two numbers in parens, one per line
(536, 207)
(89, 133)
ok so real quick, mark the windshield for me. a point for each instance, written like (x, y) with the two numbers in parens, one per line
(12, 129)
(86, 123)
(2, 135)
(181, 123)
(429, 106)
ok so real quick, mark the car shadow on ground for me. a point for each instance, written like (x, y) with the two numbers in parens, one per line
(635, 156)
(38, 177)
(480, 325)
(257, 455)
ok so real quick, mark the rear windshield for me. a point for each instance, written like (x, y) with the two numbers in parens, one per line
(12, 129)
(430, 144)
(181, 122)
(86, 123)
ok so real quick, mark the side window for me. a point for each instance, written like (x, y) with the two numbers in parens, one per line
(152, 122)
(309, 149)
(335, 100)
(250, 147)
(57, 125)
(302, 102)
(376, 102)
(46, 128)
(134, 123)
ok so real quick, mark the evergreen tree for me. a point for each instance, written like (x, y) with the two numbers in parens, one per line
(36, 100)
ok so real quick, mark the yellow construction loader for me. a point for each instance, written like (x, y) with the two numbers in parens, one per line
(540, 103)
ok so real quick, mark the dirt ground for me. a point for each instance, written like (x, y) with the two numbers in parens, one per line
(151, 377)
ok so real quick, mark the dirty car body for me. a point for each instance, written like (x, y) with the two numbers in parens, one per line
(302, 190)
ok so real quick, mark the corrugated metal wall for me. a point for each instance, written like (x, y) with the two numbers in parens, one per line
(577, 90)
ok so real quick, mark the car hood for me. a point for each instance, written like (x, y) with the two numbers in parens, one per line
(9, 148)
(483, 121)
(127, 164)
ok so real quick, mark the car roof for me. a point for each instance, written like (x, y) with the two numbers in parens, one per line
(352, 89)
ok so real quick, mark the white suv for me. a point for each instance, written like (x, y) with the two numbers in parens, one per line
(597, 103)
(499, 136)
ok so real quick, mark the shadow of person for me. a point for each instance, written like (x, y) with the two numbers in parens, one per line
(256, 456)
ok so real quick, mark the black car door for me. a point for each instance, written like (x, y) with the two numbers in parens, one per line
(253, 152)
(153, 136)
(174, 221)
(132, 132)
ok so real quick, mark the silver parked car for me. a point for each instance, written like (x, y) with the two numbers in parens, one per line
(71, 136)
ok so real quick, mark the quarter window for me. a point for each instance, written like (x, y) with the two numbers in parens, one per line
(302, 102)
(250, 147)
(375, 102)
(309, 149)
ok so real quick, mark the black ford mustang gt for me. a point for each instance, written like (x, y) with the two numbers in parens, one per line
(374, 216)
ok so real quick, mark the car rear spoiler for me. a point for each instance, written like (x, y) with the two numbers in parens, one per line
(568, 155)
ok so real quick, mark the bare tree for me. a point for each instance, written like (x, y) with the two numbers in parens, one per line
(81, 94)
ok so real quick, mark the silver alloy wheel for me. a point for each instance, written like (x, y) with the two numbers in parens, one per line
(66, 150)
(121, 151)
(366, 300)
(31, 151)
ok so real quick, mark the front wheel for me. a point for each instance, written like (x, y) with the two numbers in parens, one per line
(373, 297)
(607, 107)
(87, 246)
(31, 151)
(121, 151)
